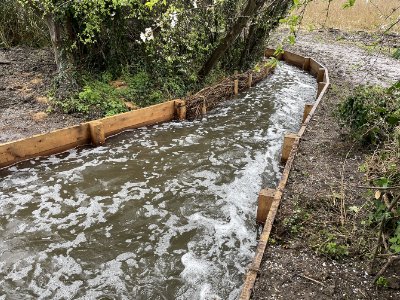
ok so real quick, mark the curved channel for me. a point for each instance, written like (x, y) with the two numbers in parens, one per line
(164, 212)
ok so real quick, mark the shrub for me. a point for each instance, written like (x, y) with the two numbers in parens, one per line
(372, 113)
(21, 27)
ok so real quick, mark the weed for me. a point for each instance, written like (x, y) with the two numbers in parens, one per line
(331, 246)
(97, 99)
(382, 281)
(335, 250)
(294, 223)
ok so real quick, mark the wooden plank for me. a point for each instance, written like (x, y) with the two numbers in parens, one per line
(250, 80)
(180, 109)
(307, 108)
(314, 67)
(293, 59)
(248, 285)
(142, 117)
(320, 74)
(44, 144)
(306, 65)
(269, 52)
(265, 199)
(288, 142)
(97, 133)
(326, 76)
(236, 87)
(321, 86)
(204, 107)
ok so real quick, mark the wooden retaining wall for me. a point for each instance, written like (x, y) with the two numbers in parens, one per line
(321, 73)
(93, 132)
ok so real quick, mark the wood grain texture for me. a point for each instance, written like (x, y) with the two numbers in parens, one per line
(44, 144)
(68, 138)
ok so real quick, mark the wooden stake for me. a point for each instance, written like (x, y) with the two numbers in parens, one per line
(250, 80)
(204, 108)
(265, 199)
(236, 87)
(306, 64)
(97, 133)
(321, 86)
(320, 75)
(180, 109)
(307, 108)
(288, 142)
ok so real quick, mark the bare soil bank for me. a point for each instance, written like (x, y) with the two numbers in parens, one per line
(25, 79)
(296, 264)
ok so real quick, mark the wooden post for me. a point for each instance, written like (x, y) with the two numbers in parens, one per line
(306, 64)
(321, 86)
(180, 109)
(236, 87)
(269, 52)
(250, 80)
(288, 142)
(265, 199)
(97, 133)
(204, 108)
(307, 108)
(320, 75)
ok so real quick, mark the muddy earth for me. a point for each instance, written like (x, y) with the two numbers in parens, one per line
(25, 81)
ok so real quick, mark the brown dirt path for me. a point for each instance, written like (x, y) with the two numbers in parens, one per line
(296, 264)
(25, 79)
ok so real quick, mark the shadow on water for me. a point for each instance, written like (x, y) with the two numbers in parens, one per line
(165, 212)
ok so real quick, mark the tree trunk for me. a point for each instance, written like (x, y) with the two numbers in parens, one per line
(231, 36)
(65, 81)
(275, 10)
(254, 44)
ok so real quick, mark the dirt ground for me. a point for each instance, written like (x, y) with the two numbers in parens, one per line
(294, 265)
(25, 79)
(297, 263)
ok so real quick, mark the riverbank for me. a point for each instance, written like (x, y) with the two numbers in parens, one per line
(318, 247)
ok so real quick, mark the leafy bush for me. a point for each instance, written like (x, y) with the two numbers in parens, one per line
(104, 97)
(372, 113)
(21, 27)
(97, 99)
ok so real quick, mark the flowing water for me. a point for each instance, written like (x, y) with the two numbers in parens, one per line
(164, 212)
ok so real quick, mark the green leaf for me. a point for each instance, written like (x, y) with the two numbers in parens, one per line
(382, 182)
(349, 3)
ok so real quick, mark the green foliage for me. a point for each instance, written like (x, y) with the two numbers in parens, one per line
(372, 113)
(332, 248)
(395, 239)
(104, 96)
(97, 99)
(335, 250)
(396, 54)
(21, 27)
(294, 223)
(382, 281)
(349, 3)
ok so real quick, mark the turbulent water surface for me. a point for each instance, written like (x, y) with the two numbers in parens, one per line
(164, 212)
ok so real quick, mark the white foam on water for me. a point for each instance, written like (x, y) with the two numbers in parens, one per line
(174, 203)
